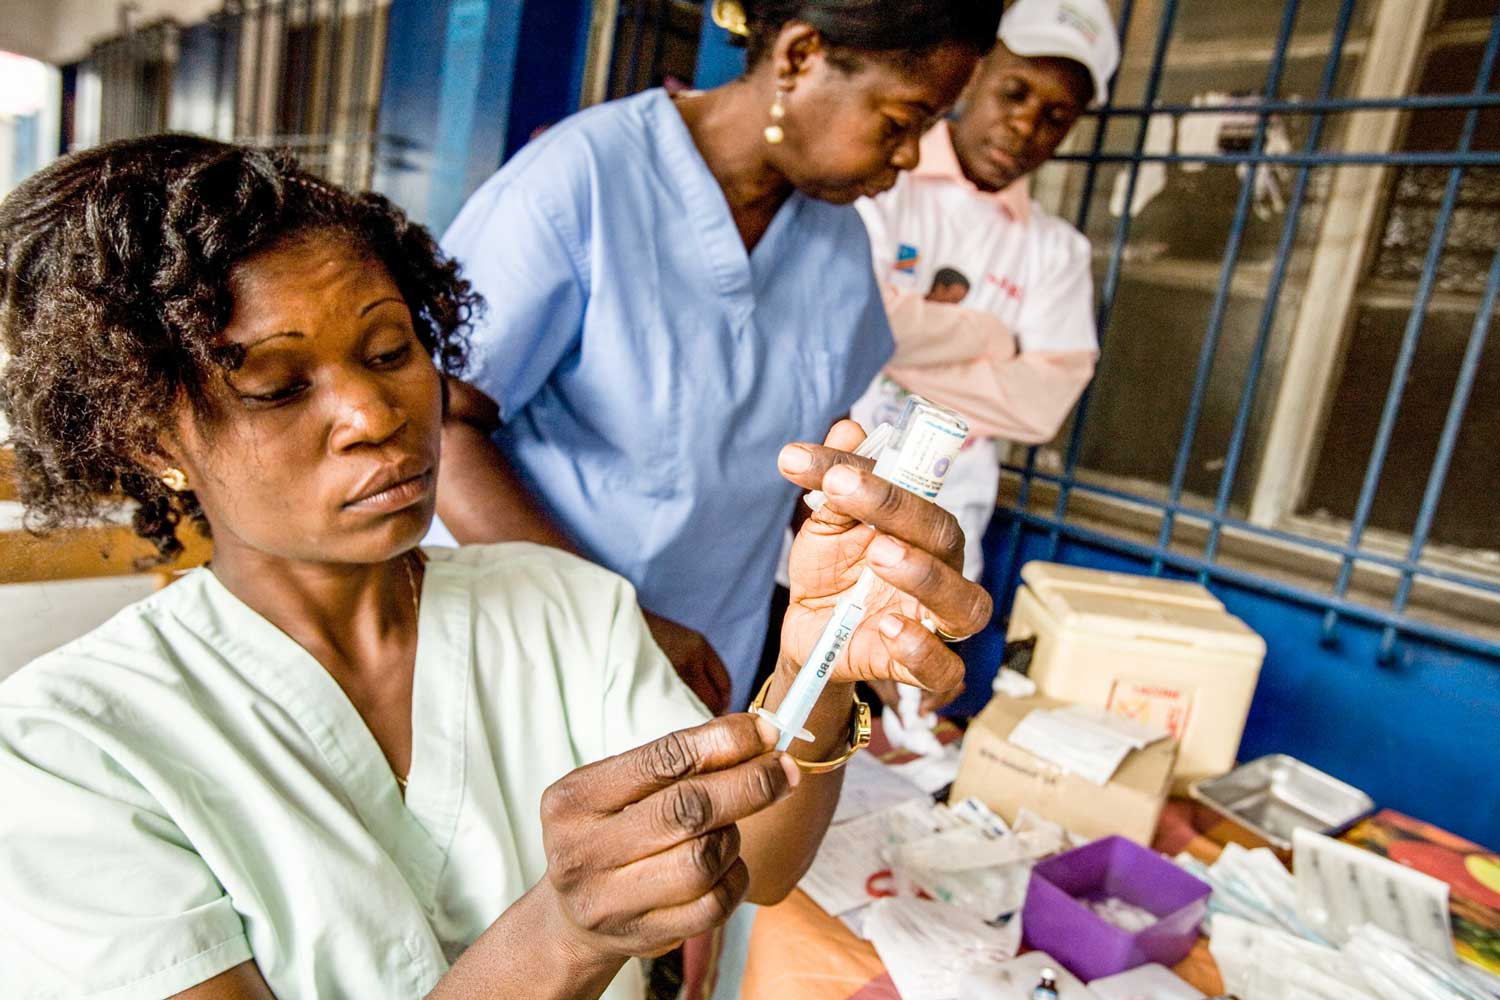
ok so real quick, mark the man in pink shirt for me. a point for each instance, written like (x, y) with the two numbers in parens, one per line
(1014, 351)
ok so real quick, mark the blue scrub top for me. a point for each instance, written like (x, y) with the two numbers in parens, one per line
(648, 370)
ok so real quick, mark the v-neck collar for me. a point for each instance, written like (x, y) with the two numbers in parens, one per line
(418, 831)
(733, 268)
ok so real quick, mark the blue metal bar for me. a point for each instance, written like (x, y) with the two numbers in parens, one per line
(1117, 255)
(1468, 372)
(1273, 534)
(1007, 574)
(1266, 585)
(1284, 250)
(1091, 175)
(1226, 277)
(1465, 158)
(1320, 105)
(1402, 370)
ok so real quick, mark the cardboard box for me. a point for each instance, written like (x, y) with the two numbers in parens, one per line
(1008, 779)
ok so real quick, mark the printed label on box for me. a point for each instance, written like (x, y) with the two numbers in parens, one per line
(1159, 706)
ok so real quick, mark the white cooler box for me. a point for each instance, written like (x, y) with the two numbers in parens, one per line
(1160, 651)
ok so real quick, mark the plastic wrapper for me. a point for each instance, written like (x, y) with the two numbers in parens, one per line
(979, 866)
(928, 947)
(1253, 885)
(1260, 963)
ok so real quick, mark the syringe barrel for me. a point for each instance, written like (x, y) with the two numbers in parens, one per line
(813, 677)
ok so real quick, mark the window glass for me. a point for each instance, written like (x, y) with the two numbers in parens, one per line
(1466, 516)
(1141, 397)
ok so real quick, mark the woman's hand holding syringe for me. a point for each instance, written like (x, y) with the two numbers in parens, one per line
(840, 559)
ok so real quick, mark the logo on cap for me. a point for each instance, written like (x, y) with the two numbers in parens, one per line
(1078, 21)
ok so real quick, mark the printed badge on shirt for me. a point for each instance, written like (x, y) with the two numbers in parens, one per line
(904, 271)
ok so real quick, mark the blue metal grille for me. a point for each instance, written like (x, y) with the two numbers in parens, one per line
(1215, 518)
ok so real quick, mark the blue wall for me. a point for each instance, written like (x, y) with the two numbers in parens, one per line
(1421, 735)
(718, 60)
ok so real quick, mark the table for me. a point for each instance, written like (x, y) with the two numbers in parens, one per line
(798, 952)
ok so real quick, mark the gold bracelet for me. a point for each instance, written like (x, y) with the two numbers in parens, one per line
(859, 734)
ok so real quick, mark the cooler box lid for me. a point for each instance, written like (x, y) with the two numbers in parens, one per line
(1128, 607)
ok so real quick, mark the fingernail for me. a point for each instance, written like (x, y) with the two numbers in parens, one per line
(795, 458)
(840, 480)
(886, 551)
(768, 733)
(890, 626)
(793, 772)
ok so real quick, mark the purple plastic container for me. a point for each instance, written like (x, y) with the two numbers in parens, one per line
(1054, 920)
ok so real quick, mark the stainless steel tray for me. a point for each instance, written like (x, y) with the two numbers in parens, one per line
(1261, 803)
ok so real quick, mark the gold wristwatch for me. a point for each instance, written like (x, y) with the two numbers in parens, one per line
(859, 734)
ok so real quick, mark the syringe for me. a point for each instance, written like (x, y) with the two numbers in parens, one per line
(915, 454)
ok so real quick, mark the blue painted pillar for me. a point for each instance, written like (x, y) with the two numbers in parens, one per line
(719, 61)
(549, 67)
(465, 83)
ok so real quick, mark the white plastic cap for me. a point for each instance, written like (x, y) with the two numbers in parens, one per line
(1081, 30)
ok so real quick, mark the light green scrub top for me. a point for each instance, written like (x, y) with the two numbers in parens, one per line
(186, 788)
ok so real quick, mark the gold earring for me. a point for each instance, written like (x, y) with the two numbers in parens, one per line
(174, 479)
(775, 134)
(730, 15)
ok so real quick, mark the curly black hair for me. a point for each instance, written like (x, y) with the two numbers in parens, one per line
(115, 267)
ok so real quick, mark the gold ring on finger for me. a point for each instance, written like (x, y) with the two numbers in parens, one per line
(932, 626)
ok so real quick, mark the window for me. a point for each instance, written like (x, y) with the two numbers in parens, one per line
(29, 105)
(1254, 321)
(308, 79)
(129, 82)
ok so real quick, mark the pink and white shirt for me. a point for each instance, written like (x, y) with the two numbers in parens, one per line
(1014, 356)
(1016, 353)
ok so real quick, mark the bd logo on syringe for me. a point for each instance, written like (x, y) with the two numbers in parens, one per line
(839, 639)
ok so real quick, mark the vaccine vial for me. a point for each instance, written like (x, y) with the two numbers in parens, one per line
(923, 445)
(1046, 987)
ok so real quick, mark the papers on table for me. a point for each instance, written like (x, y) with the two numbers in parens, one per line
(963, 855)
(1086, 742)
(1145, 982)
(870, 786)
(845, 872)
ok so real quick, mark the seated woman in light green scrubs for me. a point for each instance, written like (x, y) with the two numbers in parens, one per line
(329, 764)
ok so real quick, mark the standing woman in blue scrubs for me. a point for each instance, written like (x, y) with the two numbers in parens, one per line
(676, 288)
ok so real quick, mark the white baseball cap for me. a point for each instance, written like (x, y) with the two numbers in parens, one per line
(1081, 30)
